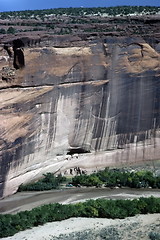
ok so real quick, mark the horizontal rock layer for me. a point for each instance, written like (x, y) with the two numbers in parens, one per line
(92, 104)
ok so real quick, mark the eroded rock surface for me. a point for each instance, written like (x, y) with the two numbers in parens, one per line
(66, 102)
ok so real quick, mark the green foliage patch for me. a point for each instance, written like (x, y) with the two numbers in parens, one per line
(101, 208)
(120, 178)
(47, 183)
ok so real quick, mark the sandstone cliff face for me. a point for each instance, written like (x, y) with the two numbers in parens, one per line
(98, 98)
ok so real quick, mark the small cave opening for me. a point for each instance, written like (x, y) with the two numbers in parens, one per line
(77, 150)
(19, 61)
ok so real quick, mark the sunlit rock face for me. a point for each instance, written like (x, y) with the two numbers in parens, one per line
(89, 104)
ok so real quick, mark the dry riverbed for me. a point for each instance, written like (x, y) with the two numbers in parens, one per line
(27, 200)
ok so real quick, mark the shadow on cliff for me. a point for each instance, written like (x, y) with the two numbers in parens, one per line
(14, 150)
(13, 157)
(18, 61)
(15, 52)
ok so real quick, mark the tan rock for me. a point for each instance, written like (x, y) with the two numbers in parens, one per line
(98, 100)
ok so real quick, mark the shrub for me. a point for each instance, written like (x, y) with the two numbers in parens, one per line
(154, 236)
(47, 183)
(2, 31)
(11, 30)
(116, 177)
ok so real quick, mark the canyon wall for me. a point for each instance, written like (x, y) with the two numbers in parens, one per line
(73, 101)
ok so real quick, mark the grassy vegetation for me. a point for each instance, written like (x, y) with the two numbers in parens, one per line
(101, 208)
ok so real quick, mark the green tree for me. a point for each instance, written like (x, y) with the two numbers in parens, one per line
(48, 182)
(11, 30)
(2, 31)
